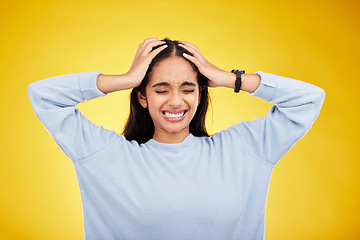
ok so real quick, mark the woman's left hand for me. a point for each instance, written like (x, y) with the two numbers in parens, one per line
(217, 77)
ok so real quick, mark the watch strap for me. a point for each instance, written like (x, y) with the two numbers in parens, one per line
(238, 79)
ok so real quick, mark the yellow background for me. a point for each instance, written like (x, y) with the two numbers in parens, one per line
(314, 192)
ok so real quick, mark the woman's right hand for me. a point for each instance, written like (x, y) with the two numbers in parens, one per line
(132, 78)
(143, 58)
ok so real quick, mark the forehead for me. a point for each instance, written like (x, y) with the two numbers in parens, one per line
(173, 70)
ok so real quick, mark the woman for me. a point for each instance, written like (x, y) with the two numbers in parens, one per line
(165, 178)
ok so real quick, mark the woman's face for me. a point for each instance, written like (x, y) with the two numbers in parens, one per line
(172, 97)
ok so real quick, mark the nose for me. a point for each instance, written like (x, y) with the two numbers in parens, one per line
(175, 99)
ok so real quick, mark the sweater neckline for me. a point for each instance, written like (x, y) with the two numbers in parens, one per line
(186, 142)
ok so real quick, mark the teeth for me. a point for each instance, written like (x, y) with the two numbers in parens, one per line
(172, 115)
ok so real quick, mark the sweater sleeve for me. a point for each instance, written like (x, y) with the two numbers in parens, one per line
(54, 100)
(296, 106)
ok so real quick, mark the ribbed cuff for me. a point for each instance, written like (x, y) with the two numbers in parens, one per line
(267, 86)
(88, 87)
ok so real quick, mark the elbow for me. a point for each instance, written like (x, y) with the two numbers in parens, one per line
(31, 90)
(319, 99)
(305, 114)
(317, 103)
(320, 95)
(35, 90)
(34, 94)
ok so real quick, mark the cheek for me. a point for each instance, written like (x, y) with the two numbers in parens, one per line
(193, 101)
(155, 102)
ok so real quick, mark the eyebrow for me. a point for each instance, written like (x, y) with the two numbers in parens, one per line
(167, 84)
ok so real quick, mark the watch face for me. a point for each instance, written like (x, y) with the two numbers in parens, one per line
(236, 70)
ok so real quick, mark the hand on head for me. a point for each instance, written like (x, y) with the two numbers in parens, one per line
(143, 58)
(144, 55)
(215, 75)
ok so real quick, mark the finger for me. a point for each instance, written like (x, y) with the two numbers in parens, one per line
(193, 59)
(195, 52)
(149, 46)
(143, 45)
(156, 51)
(192, 46)
(149, 39)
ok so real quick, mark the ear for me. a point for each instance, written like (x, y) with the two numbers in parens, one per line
(142, 99)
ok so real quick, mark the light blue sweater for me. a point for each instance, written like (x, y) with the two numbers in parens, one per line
(202, 188)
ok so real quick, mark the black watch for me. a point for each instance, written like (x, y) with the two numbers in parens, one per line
(238, 79)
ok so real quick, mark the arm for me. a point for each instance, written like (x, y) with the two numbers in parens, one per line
(250, 82)
(54, 100)
(296, 106)
(112, 83)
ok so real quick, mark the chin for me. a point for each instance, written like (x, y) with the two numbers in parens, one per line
(175, 129)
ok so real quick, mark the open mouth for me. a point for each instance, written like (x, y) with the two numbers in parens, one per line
(178, 115)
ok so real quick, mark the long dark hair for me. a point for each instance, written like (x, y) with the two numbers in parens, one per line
(139, 125)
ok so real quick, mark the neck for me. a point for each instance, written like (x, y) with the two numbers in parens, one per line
(172, 138)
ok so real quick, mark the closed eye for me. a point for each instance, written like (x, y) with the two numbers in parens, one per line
(158, 91)
(188, 91)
